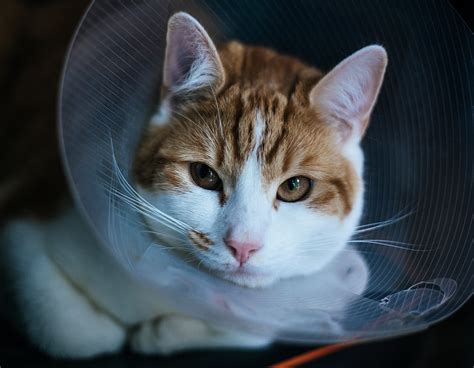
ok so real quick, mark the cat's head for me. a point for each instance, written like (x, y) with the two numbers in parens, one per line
(255, 156)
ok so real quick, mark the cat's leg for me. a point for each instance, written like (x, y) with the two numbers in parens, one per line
(173, 333)
(56, 315)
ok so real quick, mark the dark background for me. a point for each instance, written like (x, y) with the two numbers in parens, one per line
(449, 344)
(33, 38)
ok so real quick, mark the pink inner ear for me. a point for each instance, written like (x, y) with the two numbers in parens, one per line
(182, 51)
(190, 54)
(348, 93)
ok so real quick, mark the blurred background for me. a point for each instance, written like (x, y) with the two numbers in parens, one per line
(34, 35)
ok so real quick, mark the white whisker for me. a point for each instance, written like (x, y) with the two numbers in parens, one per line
(132, 198)
(391, 244)
(377, 225)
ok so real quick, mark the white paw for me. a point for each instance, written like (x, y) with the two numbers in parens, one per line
(171, 334)
(167, 335)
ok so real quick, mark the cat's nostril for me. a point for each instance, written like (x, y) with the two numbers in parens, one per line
(241, 251)
(233, 250)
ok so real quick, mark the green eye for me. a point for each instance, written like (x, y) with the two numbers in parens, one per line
(205, 177)
(294, 189)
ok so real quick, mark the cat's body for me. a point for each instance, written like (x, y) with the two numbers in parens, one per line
(257, 153)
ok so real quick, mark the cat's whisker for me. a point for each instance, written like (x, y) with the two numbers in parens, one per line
(181, 248)
(391, 244)
(319, 247)
(194, 123)
(114, 234)
(305, 252)
(151, 213)
(160, 234)
(141, 205)
(199, 114)
(199, 263)
(319, 241)
(180, 245)
(138, 199)
(198, 260)
(211, 134)
(377, 225)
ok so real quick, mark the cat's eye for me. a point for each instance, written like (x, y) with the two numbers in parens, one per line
(294, 189)
(205, 177)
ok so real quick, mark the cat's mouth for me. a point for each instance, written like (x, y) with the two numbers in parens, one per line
(247, 277)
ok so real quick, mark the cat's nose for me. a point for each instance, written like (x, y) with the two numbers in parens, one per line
(242, 250)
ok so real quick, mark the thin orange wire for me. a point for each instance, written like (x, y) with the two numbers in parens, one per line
(312, 355)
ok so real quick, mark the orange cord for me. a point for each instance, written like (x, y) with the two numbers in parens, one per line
(312, 355)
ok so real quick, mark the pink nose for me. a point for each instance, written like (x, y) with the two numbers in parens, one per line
(241, 250)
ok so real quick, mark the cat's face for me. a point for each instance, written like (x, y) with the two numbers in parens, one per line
(255, 156)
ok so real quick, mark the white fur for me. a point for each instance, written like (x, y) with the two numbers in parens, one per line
(248, 210)
(56, 314)
(173, 333)
(163, 115)
(75, 301)
(295, 240)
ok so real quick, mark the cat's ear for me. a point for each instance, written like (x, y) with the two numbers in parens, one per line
(347, 94)
(191, 60)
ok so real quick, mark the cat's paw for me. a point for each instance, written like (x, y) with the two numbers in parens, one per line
(171, 334)
(166, 335)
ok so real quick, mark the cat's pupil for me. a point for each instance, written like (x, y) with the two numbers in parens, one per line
(293, 184)
(204, 172)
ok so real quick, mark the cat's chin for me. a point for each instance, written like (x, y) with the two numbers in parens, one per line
(248, 279)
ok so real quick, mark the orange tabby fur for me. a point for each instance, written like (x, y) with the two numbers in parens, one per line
(218, 130)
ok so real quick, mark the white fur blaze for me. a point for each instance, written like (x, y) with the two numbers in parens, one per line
(249, 205)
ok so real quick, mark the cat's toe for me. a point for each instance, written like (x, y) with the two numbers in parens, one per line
(167, 335)
(171, 334)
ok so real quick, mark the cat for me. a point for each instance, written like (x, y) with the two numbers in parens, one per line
(257, 152)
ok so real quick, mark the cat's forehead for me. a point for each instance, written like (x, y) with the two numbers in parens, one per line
(286, 135)
(263, 106)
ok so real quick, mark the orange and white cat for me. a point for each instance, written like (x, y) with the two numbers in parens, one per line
(255, 151)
